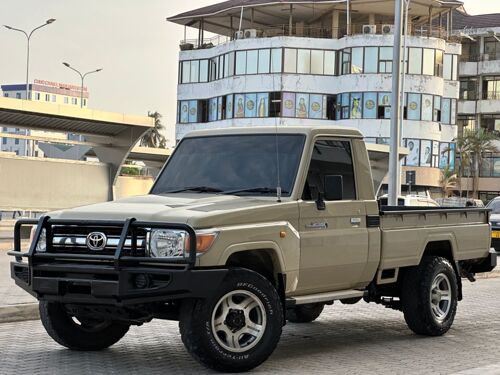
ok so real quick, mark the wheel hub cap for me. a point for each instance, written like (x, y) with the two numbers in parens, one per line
(235, 320)
(440, 297)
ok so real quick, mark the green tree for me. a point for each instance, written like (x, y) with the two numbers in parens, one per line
(447, 181)
(480, 143)
(464, 160)
(154, 137)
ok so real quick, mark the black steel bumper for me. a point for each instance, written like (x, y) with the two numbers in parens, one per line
(485, 265)
(109, 279)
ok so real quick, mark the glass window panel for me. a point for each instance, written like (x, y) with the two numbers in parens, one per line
(386, 53)
(231, 63)
(195, 71)
(302, 106)
(346, 61)
(193, 111)
(239, 106)
(241, 62)
(453, 111)
(371, 58)
(221, 66)
(212, 109)
(203, 70)
(226, 65)
(426, 107)
(443, 154)
(288, 104)
(229, 106)
(384, 99)
(447, 66)
(439, 63)
(496, 167)
(213, 69)
(356, 106)
(455, 68)
(290, 60)
(425, 153)
(186, 71)
(370, 105)
(329, 65)
(263, 105)
(264, 59)
(413, 146)
(276, 60)
(316, 106)
(304, 61)
(252, 61)
(250, 105)
(184, 112)
(357, 60)
(414, 106)
(219, 107)
(445, 110)
(437, 108)
(415, 61)
(317, 61)
(428, 64)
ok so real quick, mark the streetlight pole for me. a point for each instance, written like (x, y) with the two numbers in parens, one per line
(28, 39)
(394, 164)
(82, 77)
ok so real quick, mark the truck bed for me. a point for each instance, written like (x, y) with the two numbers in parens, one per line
(406, 232)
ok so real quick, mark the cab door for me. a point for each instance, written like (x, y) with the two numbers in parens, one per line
(334, 240)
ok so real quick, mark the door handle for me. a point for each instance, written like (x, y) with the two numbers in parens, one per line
(317, 225)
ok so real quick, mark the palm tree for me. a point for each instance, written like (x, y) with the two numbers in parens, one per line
(480, 142)
(447, 181)
(464, 161)
(154, 137)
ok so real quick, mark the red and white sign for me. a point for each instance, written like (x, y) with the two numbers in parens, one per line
(58, 85)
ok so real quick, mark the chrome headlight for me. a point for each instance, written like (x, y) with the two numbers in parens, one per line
(172, 243)
(168, 243)
(41, 246)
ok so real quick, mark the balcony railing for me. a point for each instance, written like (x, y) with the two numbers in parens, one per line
(314, 32)
(491, 95)
(480, 57)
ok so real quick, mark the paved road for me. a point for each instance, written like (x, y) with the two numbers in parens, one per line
(359, 339)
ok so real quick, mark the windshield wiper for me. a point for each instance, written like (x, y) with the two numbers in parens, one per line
(200, 189)
(262, 190)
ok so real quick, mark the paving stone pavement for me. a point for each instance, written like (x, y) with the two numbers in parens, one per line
(357, 339)
(10, 294)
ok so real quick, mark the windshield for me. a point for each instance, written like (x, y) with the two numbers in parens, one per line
(235, 164)
(494, 206)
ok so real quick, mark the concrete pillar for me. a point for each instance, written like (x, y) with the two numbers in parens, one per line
(371, 19)
(290, 21)
(430, 22)
(480, 82)
(335, 24)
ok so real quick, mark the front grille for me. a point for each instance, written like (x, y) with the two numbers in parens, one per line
(73, 239)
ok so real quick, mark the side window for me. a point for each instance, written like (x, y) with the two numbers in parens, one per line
(330, 158)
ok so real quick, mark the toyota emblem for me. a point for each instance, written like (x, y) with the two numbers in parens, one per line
(96, 241)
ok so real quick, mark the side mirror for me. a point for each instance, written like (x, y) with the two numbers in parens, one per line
(333, 187)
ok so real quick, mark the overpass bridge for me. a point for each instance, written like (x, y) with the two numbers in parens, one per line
(41, 184)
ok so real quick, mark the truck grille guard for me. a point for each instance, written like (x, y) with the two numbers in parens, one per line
(128, 239)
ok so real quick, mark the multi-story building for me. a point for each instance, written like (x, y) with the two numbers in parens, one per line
(44, 91)
(479, 101)
(324, 62)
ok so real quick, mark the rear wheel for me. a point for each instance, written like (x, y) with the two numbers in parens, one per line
(429, 296)
(305, 313)
(79, 333)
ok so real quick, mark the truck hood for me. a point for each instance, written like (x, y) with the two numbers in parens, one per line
(198, 210)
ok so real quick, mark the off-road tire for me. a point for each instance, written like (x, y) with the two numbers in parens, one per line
(304, 313)
(416, 296)
(198, 336)
(66, 332)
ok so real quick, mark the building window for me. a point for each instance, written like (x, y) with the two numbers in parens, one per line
(16, 141)
(4, 141)
(252, 57)
(429, 62)
(276, 60)
(468, 89)
(438, 69)
(18, 95)
(329, 64)
(37, 96)
(385, 62)
(491, 123)
(204, 70)
(450, 67)
(6, 94)
(357, 60)
(346, 61)
(371, 58)
(84, 102)
(465, 123)
(491, 88)
(491, 48)
(414, 60)
(241, 61)
(317, 62)
(290, 60)
(66, 100)
(74, 101)
(427, 108)
(54, 98)
(413, 106)
(194, 75)
(47, 97)
(264, 61)
(303, 61)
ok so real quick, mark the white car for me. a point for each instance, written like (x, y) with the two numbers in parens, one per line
(411, 200)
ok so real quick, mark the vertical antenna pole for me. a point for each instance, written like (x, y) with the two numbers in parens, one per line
(241, 19)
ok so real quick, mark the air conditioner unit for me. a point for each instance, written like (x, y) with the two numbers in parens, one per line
(369, 29)
(239, 35)
(250, 33)
(387, 29)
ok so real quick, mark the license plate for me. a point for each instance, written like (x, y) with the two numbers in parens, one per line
(495, 234)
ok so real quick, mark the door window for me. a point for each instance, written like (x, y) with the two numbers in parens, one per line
(330, 158)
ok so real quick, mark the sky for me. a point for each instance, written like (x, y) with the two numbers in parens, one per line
(129, 39)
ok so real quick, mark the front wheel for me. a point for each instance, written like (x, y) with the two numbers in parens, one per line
(236, 329)
(429, 297)
(79, 333)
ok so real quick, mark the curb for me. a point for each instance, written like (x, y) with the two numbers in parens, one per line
(17, 313)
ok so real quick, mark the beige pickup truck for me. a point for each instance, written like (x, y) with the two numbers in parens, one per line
(243, 230)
